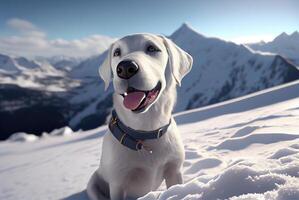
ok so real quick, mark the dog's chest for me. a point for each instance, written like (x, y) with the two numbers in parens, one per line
(120, 161)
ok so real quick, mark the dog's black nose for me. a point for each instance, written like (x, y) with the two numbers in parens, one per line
(126, 69)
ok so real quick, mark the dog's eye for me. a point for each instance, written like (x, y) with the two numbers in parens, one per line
(117, 52)
(152, 49)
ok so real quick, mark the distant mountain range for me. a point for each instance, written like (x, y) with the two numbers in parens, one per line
(44, 94)
(39, 97)
(284, 45)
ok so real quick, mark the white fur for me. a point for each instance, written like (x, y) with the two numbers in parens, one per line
(125, 173)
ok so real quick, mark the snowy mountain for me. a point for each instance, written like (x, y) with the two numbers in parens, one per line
(88, 67)
(51, 96)
(223, 70)
(28, 64)
(13, 65)
(65, 63)
(7, 64)
(31, 74)
(242, 149)
(284, 44)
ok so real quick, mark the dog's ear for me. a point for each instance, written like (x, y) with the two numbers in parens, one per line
(179, 60)
(105, 69)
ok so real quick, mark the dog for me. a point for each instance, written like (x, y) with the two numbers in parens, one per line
(143, 146)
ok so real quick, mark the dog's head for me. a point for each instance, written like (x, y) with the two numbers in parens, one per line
(137, 65)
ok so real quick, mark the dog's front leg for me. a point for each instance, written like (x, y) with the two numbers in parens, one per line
(174, 179)
(172, 175)
(116, 192)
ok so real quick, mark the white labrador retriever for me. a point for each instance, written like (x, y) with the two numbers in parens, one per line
(143, 146)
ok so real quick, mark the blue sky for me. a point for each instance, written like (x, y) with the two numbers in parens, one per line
(236, 20)
(70, 19)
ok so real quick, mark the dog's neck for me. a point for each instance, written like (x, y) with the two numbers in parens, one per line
(157, 116)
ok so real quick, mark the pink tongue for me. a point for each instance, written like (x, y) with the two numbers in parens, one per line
(133, 100)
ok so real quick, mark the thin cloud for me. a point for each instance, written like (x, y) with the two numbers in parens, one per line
(25, 28)
(30, 41)
(20, 24)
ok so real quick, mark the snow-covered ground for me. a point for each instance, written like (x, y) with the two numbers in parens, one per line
(247, 148)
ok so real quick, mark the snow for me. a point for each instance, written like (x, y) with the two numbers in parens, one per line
(248, 152)
(25, 137)
(262, 98)
(238, 182)
(22, 137)
(65, 131)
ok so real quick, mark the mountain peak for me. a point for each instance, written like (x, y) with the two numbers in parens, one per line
(185, 27)
(185, 30)
(295, 34)
(282, 35)
(285, 38)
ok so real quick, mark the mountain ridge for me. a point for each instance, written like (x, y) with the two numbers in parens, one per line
(286, 45)
(216, 60)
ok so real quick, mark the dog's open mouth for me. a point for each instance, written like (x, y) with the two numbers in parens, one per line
(137, 100)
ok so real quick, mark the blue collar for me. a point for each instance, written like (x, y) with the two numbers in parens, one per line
(131, 138)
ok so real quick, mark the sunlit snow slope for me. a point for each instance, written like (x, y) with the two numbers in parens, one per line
(246, 148)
